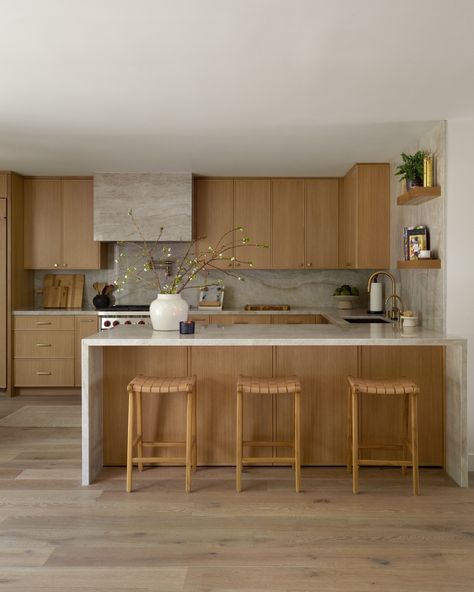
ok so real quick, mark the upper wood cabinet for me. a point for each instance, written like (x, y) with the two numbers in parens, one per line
(288, 242)
(364, 217)
(58, 225)
(252, 209)
(214, 213)
(321, 223)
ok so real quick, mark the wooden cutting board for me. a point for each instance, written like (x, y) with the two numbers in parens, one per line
(63, 290)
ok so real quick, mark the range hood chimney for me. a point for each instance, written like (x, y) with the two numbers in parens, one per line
(157, 200)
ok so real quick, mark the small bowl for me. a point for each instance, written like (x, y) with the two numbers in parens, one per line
(345, 302)
(408, 321)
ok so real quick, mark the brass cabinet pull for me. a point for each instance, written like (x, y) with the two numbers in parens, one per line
(43, 373)
(43, 345)
(309, 264)
(43, 322)
(64, 264)
(56, 265)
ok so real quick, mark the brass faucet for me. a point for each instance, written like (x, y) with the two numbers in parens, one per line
(394, 313)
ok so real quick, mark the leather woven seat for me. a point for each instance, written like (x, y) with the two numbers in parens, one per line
(153, 384)
(396, 386)
(268, 386)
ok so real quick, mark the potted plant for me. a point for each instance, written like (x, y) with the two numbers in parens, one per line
(190, 271)
(411, 169)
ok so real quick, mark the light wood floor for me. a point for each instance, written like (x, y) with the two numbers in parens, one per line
(56, 535)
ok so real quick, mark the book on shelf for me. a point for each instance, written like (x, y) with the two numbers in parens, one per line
(428, 170)
(415, 239)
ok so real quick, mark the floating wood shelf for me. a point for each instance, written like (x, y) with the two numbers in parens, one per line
(418, 195)
(420, 264)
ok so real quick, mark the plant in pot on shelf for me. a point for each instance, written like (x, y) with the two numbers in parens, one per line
(191, 270)
(411, 169)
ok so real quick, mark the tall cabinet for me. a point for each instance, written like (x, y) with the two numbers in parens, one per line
(16, 284)
(364, 218)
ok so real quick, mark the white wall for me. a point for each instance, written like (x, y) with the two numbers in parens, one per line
(459, 243)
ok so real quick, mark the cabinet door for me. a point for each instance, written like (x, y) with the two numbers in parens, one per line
(373, 216)
(3, 293)
(348, 220)
(84, 326)
(42, 223)
(287, 223)
(215, 214)
(3, 186)
(321, 223)
(252, 212)
(80, 251)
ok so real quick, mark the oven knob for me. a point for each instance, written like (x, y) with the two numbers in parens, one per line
(141, 322)
(115, 323)
(128, 322)
(106, 323)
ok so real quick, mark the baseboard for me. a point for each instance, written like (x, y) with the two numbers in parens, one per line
(470, 461)
(60, 391)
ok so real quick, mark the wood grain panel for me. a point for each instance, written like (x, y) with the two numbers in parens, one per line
(322, 372)
(163, 415)
(84, 326)
(214, 213)
(240, 319)
(80, 251)
(44, 344)
(42, 223)
(348, 220)
(253, 213)
(382, 417)
(283, 319)
(217, 370)
(43, 373)
(43, 322)
(373, 216)
(287, 223)
(321, 223)
(3, 289)
(3, 186)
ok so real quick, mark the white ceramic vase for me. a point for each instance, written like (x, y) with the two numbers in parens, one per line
(167, 310)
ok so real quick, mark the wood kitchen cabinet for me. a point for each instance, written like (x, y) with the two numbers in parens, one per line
(321, 223)
(214, 213)
(252, 208)
(364, 218)
(58, 225)
(288, 241)
(3, 290)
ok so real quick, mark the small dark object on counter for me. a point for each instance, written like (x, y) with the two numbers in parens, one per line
(101, 301)
(186, 327)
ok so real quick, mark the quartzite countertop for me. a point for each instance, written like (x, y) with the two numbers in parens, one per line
(323, 354)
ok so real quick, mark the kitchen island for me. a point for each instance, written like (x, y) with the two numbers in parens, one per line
(321, 355)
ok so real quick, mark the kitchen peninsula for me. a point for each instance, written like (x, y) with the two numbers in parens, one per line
(322, 355)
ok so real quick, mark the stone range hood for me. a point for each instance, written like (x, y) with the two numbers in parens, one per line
(157, 200)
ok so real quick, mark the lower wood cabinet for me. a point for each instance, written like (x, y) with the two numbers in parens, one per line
(47, 349)
(240, 319)
(323, 372)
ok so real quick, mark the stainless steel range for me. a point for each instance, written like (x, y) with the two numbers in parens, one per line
(123, 315)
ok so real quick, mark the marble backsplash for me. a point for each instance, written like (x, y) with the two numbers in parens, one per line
(298, 288)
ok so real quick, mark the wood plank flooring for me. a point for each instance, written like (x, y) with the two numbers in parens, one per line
(57, 535)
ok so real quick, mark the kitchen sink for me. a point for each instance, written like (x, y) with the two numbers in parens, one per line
(366, 320)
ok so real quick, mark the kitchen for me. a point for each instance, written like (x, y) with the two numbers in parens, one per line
(341, 270)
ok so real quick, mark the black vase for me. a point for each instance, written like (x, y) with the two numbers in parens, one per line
(101, 301)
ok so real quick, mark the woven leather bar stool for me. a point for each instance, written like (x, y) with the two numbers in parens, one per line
(161, 386)
(390, 387)
(268, 386)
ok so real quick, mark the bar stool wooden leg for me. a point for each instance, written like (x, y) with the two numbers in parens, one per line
(129, 442)
(189, 437)
(139, 430)
(414, 443)
(349, 431)
(297, 441)
(239, 439)
(194, 450)
(406, 427)
(355, 442)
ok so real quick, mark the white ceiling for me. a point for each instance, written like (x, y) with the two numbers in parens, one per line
(282, 87)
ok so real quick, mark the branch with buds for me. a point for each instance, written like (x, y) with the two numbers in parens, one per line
(196, 261)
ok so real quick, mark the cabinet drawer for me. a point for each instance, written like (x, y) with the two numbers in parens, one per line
(199, 319)
(42, 323)
(47, 372)
(44, 344)
(293, 319)
(240, 319)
